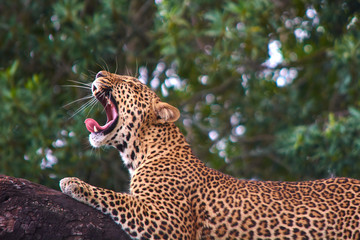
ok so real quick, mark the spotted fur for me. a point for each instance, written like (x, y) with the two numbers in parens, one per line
(173, 195)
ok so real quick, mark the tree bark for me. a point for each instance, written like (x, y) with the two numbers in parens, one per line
(32, 211)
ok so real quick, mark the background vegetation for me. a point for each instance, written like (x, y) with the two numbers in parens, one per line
(268, 89)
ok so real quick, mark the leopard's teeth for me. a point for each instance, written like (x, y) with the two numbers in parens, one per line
(95, 129)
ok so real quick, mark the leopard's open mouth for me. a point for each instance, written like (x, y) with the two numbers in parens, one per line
(109, 103)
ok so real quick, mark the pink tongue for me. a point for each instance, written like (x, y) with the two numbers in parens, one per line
(90, 123)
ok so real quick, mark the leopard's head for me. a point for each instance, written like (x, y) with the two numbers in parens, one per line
(129, 105)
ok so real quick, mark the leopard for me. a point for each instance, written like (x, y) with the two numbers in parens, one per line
(174, 195)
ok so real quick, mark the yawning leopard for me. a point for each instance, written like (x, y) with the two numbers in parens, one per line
(173, 195)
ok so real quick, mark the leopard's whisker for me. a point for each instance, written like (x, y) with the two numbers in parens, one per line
(81, 83)
(91, 108)
(78, 86)
(84, 106)
(77, 100)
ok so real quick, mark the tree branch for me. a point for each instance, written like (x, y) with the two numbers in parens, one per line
(32, 211)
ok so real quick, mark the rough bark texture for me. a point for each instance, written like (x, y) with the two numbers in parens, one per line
(32, 211)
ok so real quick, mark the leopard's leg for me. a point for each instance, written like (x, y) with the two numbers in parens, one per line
(138, 218)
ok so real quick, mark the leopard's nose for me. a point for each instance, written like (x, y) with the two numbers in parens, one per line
(93, 87)
(100, 74)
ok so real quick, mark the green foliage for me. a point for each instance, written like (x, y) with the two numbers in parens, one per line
(331, 147)
(26, 117)
(251, 108)
(44, 46)
(296, 118)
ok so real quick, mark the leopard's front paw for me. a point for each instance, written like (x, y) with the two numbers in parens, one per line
(71, 186)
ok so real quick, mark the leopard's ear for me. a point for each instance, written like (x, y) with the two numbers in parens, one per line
(165, 112)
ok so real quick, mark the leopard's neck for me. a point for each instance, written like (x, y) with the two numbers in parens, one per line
(154, 141)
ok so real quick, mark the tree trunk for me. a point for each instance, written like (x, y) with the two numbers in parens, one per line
(32, 211)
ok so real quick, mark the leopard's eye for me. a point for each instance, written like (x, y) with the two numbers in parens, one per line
(131, 84)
